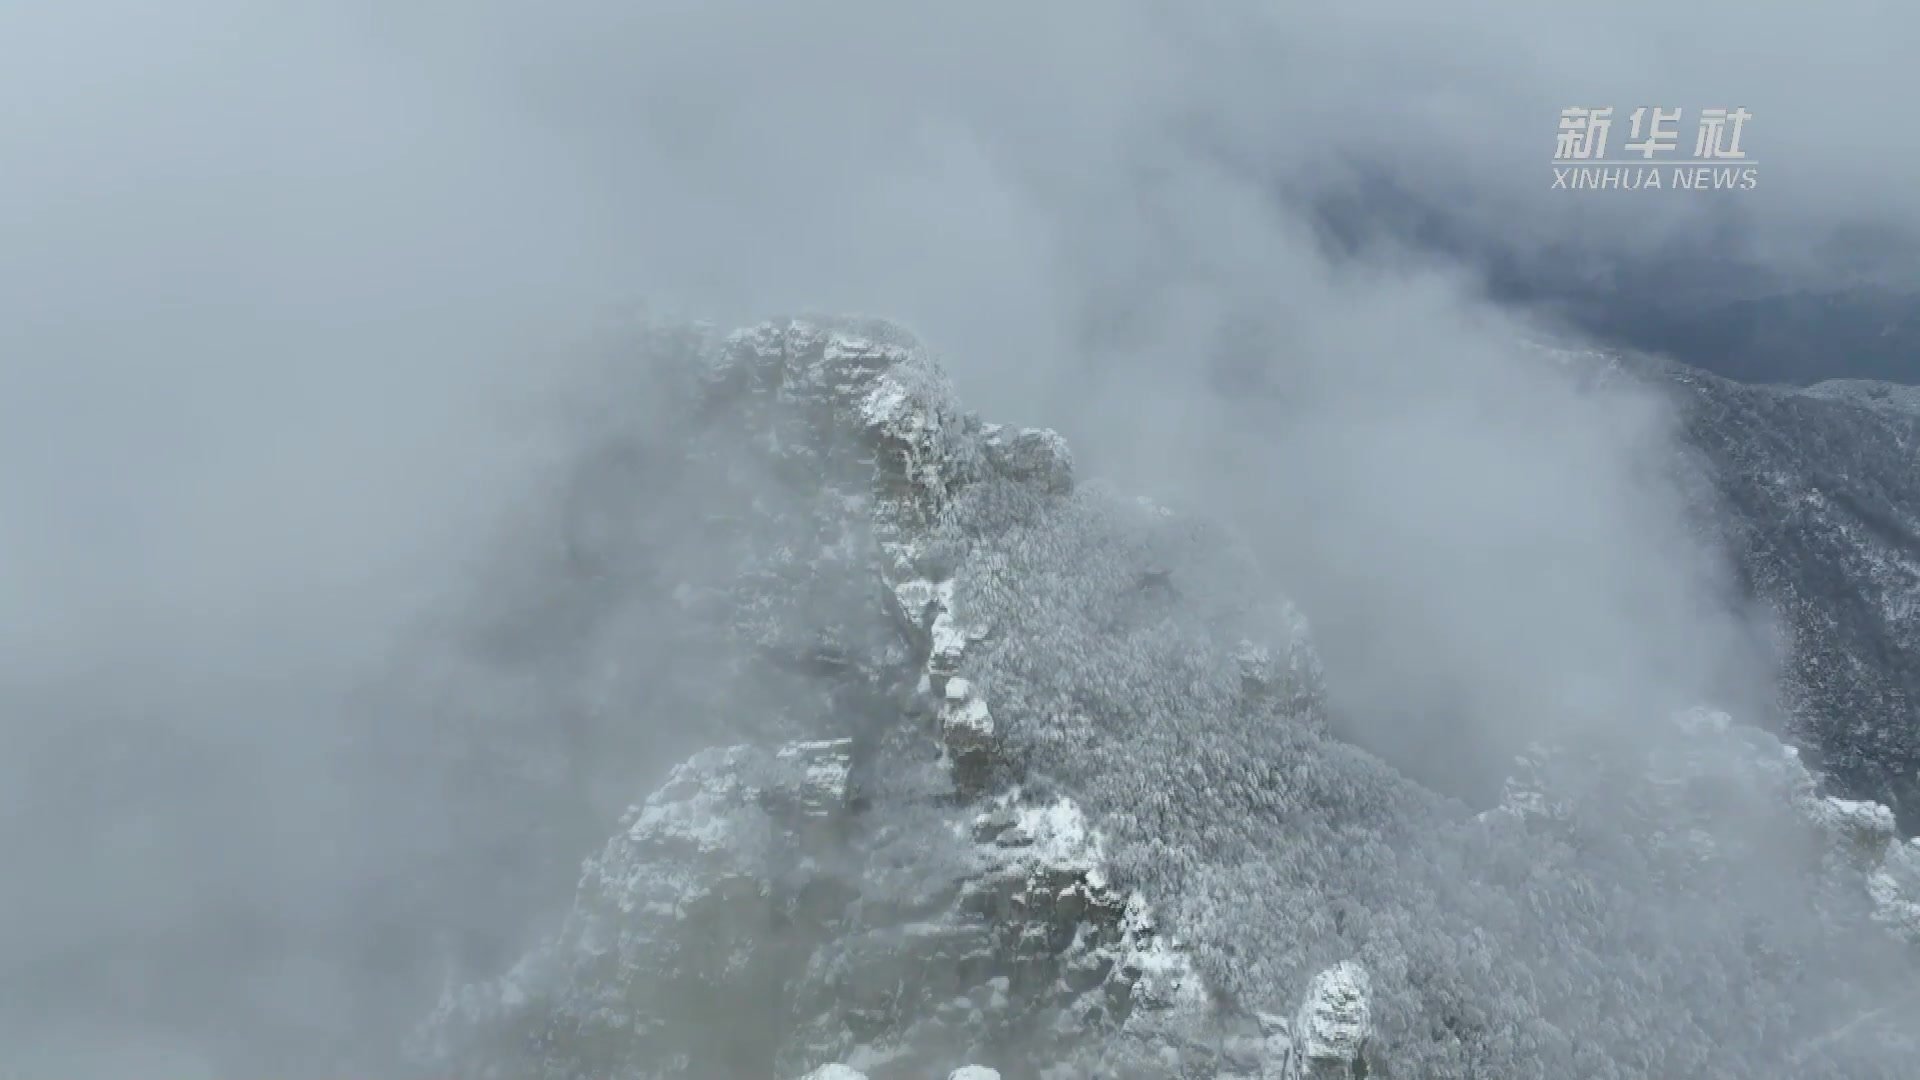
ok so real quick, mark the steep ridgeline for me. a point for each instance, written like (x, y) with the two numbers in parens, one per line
(1015, 774)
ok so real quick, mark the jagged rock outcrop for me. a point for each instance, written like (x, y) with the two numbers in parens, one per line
(966, 729)
(1331, 1031)
(971, 919)
(1033, 455)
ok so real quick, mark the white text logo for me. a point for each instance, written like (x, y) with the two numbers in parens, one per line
(1649, 158)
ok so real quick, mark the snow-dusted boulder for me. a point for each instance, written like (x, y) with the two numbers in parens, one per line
(1037, 455)
(1865, 828)
(818, 775)
(966, 729)
(1335, 1022)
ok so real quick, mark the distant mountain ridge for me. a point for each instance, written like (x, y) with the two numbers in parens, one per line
(1702, 296)
(1869, 392)
(1817, 504)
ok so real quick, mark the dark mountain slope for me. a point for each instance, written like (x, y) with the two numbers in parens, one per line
(1819, 494)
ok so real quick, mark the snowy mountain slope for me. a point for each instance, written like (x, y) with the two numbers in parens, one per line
(1819, 507)
(1012, 771)
(1868, 392)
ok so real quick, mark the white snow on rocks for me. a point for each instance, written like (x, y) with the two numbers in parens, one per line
(720, 846)
(825, 767)
(1334, 1023)
(966, 728)
(1895, 889)
(1866, 823)
(1038, 455)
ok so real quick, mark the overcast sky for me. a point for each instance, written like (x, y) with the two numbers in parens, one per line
(278, 282)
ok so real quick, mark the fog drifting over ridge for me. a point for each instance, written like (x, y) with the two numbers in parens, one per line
(276, 288)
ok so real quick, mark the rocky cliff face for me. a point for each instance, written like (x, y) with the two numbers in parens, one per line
(1022, 775)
